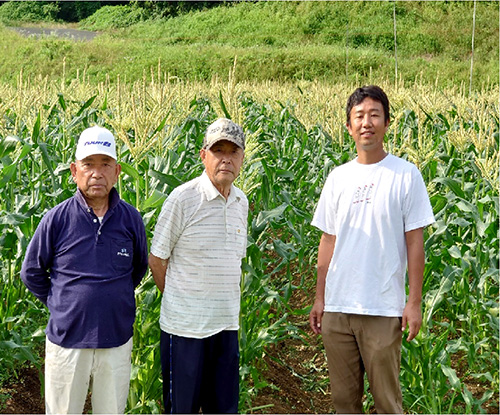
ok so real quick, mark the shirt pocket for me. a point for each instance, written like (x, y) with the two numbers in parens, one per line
(238, 238)
(122, 254)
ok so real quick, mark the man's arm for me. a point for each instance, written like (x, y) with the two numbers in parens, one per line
(325, 253)
(37, 280)
(158, 268)
(412, 314)
(140, 255)
(35, 269)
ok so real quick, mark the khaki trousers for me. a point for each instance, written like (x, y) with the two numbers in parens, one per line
(68, 373)
(357, 343)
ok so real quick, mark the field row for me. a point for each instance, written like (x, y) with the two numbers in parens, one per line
(296, 135)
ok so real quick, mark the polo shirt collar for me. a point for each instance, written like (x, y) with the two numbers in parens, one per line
(114, 199)
(211, 191)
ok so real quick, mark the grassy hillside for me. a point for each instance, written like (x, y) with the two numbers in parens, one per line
(328, 41)
(283, 70)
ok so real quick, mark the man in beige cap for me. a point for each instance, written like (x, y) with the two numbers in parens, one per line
(83, 262)
(199, 241)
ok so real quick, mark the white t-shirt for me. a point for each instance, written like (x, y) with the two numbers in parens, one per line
(369, 207)
(204, 237)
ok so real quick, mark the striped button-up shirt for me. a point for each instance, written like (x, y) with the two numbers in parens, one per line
(204, 237)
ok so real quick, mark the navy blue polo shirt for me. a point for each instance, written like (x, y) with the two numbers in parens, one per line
(85, 271)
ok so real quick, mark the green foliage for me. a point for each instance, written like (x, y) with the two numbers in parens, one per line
(162, 9)
(113, 17)
(461, 278)
(29, 11)
(286, 165)
(272, 40)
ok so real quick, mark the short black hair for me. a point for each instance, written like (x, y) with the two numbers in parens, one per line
(369, 91)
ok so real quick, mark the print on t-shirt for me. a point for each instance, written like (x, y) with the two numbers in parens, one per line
(363, 194)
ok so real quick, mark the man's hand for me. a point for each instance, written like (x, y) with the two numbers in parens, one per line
(412, 317)
(412, 314)
(325, 253)
(316, 315)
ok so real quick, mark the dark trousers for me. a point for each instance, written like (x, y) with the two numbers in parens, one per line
(200, 373)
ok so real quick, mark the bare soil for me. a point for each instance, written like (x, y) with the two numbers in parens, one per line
(24, 394)
(286, 393)
(295, 372)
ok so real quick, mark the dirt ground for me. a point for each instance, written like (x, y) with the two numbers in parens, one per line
(290, 391)
(295, 372)
(24, 394)
(294, 381)
(25, 397)
(291, 368)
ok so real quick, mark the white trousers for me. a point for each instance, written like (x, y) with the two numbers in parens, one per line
(68, 373)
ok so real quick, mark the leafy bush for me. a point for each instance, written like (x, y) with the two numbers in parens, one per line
(161, 9)
(114, 17)
(28, 11)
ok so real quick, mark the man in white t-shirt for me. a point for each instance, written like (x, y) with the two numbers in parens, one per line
(372, 212)
(199, 241)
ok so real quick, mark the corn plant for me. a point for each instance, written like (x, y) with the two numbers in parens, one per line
(293, 143)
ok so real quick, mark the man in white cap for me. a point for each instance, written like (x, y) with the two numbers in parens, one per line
(84, 261)
(199, 241)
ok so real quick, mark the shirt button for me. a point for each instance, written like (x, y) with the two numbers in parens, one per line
(99, 232)
(95, 220)
(88, 210)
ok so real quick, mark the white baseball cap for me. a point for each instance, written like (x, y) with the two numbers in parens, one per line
(95, 140)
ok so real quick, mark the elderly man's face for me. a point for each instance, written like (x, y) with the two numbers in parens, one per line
(222, 162)
(95, 175)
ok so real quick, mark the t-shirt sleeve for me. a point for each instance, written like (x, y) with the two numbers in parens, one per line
(417, 210)
(324, 215)
(168, 228)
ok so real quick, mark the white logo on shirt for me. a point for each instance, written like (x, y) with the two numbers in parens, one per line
(123, 252)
